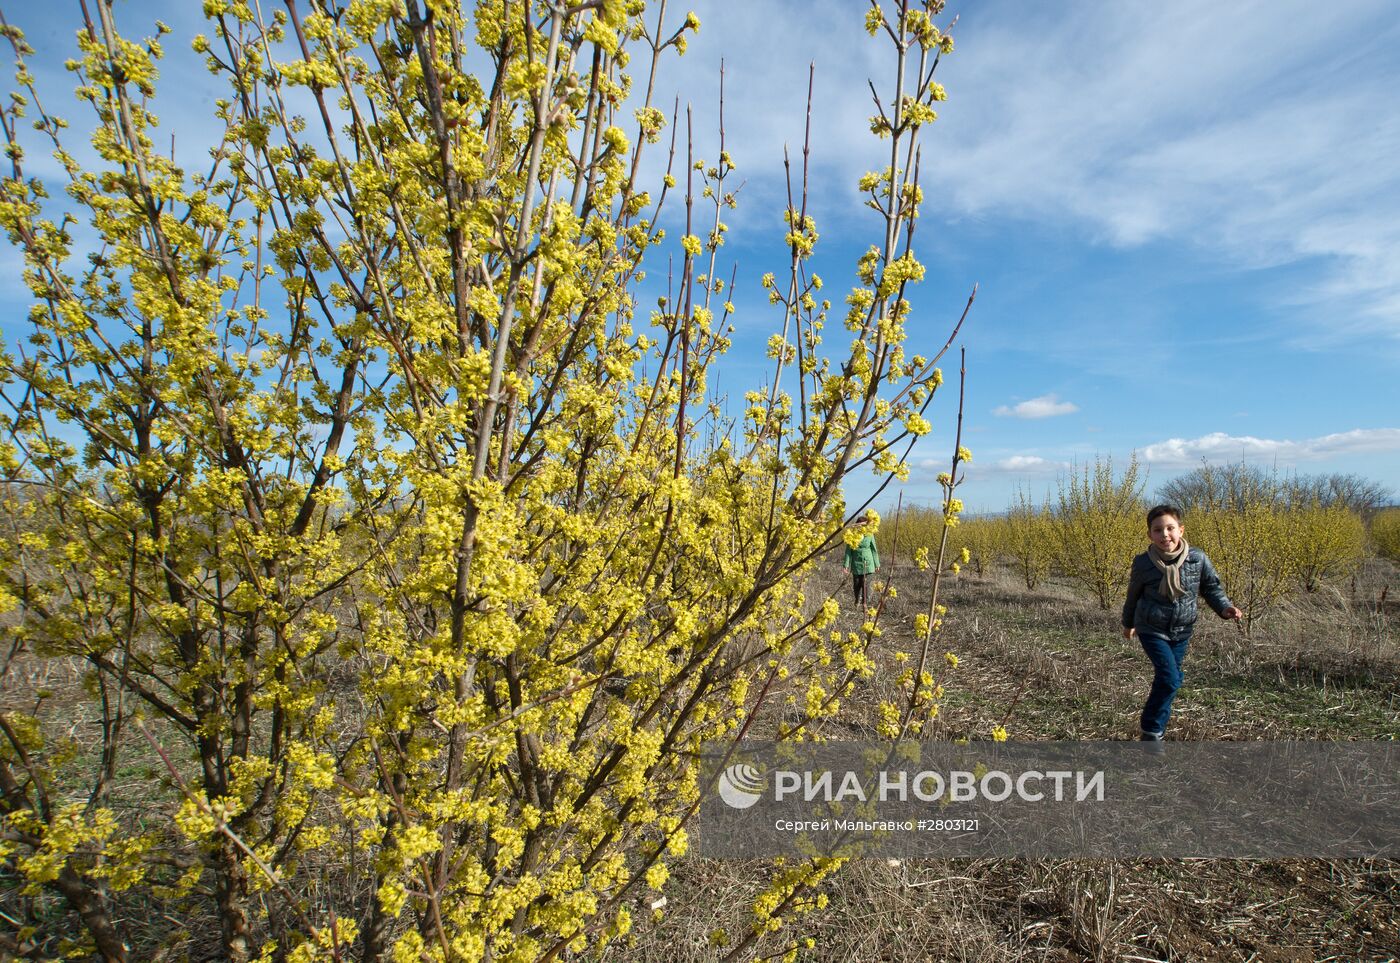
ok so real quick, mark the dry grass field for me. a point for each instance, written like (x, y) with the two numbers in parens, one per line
(1324, 666)
(1049, 664)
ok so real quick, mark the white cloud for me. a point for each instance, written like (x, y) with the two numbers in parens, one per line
(1084, 112)
(1026, 465)
(1046, 406)
(1220, 447)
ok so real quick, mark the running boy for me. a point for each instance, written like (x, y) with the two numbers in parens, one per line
(1161, 608)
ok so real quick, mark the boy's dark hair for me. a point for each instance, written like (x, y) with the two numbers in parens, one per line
(1157, 511)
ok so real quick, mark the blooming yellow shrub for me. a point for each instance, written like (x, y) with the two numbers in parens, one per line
(978, 542)
(1248, 543)
(1100, 524)
(1028, 539)
(1327, 542)
(394, 536)
(1385, 533)
(1264, 549)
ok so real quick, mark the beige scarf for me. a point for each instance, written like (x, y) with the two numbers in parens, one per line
(1170, 567)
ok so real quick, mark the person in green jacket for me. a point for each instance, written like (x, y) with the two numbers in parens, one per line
(862, 561)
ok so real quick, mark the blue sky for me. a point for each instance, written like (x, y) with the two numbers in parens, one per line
(1184, 219)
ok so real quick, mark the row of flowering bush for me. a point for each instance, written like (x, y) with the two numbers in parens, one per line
(1263, 548)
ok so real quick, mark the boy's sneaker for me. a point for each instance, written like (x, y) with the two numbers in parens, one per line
(1152, 743)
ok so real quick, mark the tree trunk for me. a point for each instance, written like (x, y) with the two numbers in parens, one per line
(231, 893)
(87, 901)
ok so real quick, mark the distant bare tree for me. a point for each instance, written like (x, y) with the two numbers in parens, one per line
(1361, 495)
(1219, 486)
(1231, 486)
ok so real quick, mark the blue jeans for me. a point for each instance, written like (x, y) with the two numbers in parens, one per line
(1166, 657)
